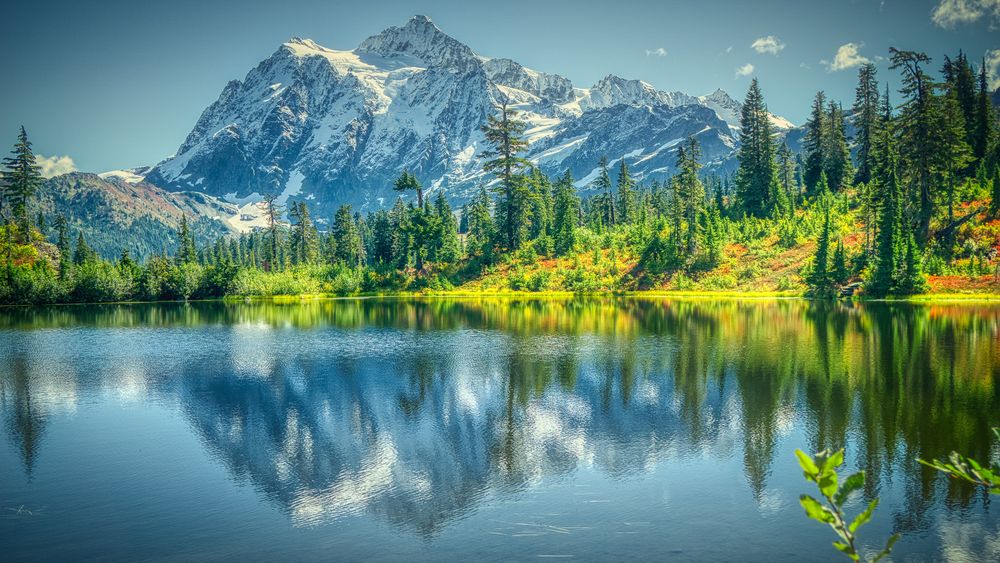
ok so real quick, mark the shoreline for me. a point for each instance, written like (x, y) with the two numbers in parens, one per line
(927, 298)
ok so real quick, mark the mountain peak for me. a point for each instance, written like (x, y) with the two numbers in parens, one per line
(422, 39)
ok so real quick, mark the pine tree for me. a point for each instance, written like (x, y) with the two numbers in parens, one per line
(756, 178)
(272, 214)
(448, 249)
(482, 229)
(626, 195)
(503, 134)
(603, 182)
(407, 182)
(866, 116)
(786, 176)
(995, 193)
(836, 154)
(952, 153)
(838, 269)
(83, 254)
(813, 143)
(819, 278)
(350, 247)
(567, 212)
(20, 179)
(63, 244)
(916, 129)
(691, 193)
(186, 251)
(304, 241)
(985, 118)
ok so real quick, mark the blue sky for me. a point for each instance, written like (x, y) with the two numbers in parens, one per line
(116, 84)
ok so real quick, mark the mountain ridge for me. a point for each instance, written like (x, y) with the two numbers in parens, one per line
(338, 126)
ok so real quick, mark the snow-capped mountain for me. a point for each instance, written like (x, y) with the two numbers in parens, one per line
(338, 126)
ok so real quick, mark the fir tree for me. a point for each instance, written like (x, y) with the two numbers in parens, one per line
(756, 178)
(186, 252)
(819, 278)
(20, 179)
(482, 229)
(63, 244)
(813, 143)
(836, 154)
(866, 116)
(408, 182)
(567, 212)
(626, 195)
(350, 247)
(503, 134)
(984, 120)
(691, 193)
(603, 182)
(916, 129)
(83, 254)
(448, 249)
(838, 268)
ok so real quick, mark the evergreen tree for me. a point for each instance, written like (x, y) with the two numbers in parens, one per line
(272, 214)
(813, 143)
(916, 129)
(627, 205)
(838, 268)
(984, 120)
(20, 179)
(63, 244)
(995, 193)
(819, 278)
(448, 249)
(407, 182)
(350, 247)
(304, 238)
(567, 212)
(186, 251)
(952, 154)
(786, 176)
(83, 254)
(603, 182)
(503, 134)
(866, 116)
(756, 179)
(836, 154)
(482, 229)
(691, 193)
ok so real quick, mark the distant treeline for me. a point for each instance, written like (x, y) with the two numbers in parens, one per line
(916, 190)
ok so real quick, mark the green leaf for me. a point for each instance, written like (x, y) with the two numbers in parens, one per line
(851, 484)
(806, 463)
(815, 510)
(828, 484)
(835, 460)
(888, 547)
(864, 517)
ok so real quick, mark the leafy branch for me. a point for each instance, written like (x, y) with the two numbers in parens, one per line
(961, 467)
(822, 470)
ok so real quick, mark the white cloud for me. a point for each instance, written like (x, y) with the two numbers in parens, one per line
(950, 13)
(51, 166)
(729, 49)
(745, 70)
(847, 56)
(805, 66)
(993, 68)
(657, 52)
(769, 44)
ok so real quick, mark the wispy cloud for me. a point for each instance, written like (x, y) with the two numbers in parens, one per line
(657, 52)
(950, 13)
(993, 68)
(745, 70)
(51, 166)
(847, 56)
(769, 45)
(729, 49)
(805, 66)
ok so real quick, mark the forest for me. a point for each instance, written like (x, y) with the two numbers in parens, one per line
(908, 203)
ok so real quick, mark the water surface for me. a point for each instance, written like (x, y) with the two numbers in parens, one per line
(487, 429)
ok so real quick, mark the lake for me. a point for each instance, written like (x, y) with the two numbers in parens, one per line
(488, 429)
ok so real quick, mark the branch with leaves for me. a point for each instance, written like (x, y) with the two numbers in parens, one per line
(960, 467)
(822, 470)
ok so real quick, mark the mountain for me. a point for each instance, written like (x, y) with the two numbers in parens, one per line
(115, 213)
(338, 127)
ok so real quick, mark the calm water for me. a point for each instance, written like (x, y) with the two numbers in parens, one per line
(487, 429)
